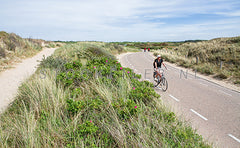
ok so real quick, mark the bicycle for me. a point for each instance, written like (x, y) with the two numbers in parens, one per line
(162, 81)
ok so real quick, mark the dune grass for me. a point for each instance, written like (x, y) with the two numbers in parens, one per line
(218, 57)
(96, 104)
(13, 48)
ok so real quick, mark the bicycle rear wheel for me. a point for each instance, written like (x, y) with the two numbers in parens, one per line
(164, 84)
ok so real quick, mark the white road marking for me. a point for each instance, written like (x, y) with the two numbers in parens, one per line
(230, 135)
(198, 114)
(224, 93)
(203, 84)
(174, 98)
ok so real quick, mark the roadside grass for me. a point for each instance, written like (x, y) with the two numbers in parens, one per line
(218, 57)
(36, 117)
(96, 104)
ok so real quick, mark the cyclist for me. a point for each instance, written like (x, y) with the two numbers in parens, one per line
(157, 64)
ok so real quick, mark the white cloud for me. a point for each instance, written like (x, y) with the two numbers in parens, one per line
(231, 13)
(107, 20)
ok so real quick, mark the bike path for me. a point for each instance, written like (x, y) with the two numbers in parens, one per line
(213, 110)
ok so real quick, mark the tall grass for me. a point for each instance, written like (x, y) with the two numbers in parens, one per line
(104, 111)
(39, 119)
(36, 118)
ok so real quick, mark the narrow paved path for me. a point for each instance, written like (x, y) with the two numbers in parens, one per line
(212, 109)
(11, 79)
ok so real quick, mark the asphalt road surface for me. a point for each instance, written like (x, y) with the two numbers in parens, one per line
(212, 109)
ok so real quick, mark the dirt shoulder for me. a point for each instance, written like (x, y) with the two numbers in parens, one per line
(12, 78)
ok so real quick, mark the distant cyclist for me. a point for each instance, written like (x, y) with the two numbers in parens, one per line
(157, 64)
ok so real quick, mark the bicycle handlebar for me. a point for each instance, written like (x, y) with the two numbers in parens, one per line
(159, 69)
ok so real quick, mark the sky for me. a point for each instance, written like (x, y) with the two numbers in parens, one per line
(121, 20)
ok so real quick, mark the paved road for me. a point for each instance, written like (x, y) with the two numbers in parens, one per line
(212, 109)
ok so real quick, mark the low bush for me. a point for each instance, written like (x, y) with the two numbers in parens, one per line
(205, 69)
(142, 92)
(53, 62)
(221, 76)
(126, 109)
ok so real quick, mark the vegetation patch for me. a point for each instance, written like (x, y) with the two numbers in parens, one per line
(13, 48)
(218, 57)
(95, 104)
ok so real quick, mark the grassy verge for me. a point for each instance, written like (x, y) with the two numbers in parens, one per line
(217, 57)
(82, 97)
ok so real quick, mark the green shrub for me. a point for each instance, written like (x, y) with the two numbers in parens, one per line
(66, 78)
(185, 134)
(169, 116)
(76, 92)
(142, 92)
(75, 106)
(94, 103)
(53, 62)
(125, 109)
(86, 128)
(74, 65)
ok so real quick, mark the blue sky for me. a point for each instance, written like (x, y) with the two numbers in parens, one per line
(121, 20)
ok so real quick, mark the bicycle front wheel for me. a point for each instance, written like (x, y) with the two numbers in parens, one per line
(164, 84)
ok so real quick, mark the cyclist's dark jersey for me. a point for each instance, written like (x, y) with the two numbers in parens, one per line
(159, 63)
